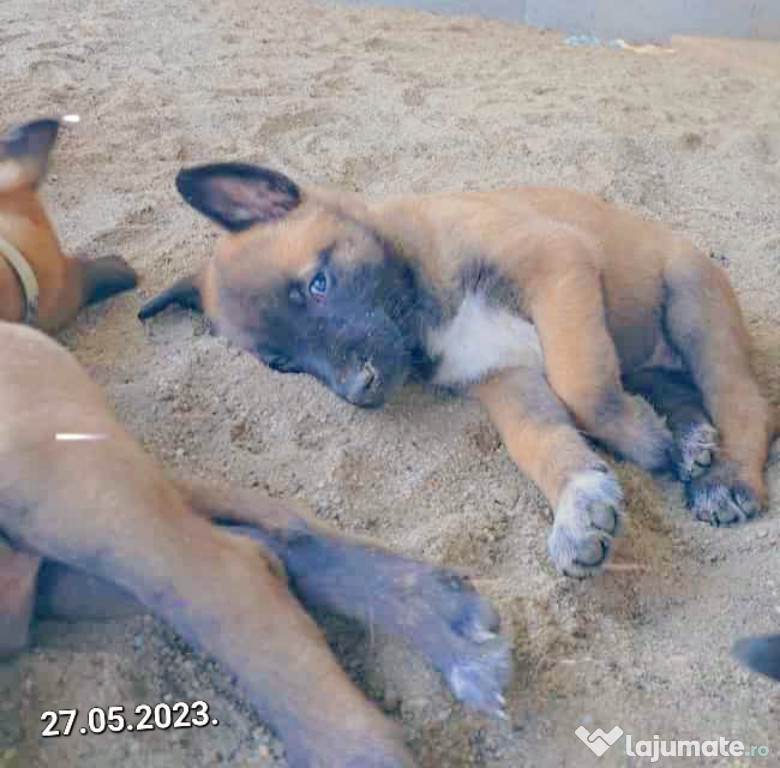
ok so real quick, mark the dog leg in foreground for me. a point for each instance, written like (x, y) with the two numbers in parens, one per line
(433, 609)
(105, 509)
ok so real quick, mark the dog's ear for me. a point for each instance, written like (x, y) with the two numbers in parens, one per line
(761, 654)
(24, 153)
(238, 196)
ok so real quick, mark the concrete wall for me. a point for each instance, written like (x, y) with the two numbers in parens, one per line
(508, 10)
(638, 20)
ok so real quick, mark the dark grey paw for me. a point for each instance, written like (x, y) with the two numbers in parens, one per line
(467, 646)
(435, 610)
(719, 497)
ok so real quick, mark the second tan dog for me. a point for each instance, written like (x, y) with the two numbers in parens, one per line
(39, 284)
(561, 313)
(43, 287)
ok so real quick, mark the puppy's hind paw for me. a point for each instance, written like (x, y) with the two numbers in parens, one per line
(587, 519)
(697, 445)
(719, 497)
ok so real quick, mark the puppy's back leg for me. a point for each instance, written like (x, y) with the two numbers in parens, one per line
(433, 608)
(674, 395)
(704, 323)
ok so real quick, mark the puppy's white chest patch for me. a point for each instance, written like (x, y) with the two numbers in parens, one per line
(481, 339)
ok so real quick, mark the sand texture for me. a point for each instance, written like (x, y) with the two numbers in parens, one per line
(392, 101)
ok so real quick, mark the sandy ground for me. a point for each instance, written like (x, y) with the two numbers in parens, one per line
(394, 101)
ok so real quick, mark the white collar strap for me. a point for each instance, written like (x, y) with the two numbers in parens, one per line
(27, 280)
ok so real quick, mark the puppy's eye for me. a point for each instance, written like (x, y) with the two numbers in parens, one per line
(318, 286)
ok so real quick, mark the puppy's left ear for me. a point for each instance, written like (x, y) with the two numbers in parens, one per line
(761, 654)
(24, 153)
(236, 195)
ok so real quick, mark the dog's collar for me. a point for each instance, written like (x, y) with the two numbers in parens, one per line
(27, 279)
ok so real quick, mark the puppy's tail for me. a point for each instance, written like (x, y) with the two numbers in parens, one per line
(185, 292)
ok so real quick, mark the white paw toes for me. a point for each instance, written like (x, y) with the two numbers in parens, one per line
(587, 519)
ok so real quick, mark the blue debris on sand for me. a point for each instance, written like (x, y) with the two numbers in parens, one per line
(596, 42)
(582, 40)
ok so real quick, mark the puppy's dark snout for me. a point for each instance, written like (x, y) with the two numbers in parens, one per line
(362, 384)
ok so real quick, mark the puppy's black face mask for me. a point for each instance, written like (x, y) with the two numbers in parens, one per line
(354, 326)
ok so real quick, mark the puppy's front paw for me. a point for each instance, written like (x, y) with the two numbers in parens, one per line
(720, 497)
(587, 519)
(697, 444)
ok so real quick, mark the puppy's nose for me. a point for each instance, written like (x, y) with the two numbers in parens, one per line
(361, 385)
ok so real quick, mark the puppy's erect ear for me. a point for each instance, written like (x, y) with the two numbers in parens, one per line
(24, 153)
(236, 195)
(761, 654)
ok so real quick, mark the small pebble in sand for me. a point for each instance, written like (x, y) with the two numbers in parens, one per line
(71, 118)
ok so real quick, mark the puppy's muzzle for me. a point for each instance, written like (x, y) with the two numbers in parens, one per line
(363, 387)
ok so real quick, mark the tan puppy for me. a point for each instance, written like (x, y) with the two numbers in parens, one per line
(39, 284)
(104, 509)
(553, 308)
